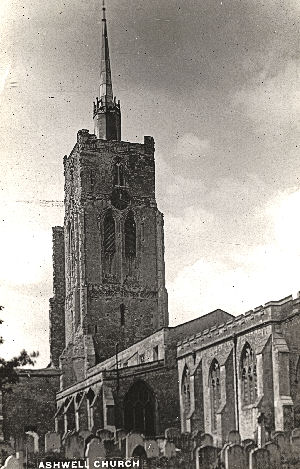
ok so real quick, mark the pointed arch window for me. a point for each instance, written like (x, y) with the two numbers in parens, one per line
(119, 179)
(109, 238)
(215, 391)
(185, 389)
(248, 375)
(130, 236)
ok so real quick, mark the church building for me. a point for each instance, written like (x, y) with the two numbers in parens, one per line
(120, 365)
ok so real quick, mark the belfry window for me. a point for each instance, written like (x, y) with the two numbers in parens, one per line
(248, 375)
(109, 241)
(186, 394)
(130, 236)
(215, 392)
(119, 179)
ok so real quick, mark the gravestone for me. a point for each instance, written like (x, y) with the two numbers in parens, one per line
(275, 455)
(152, 449)
(207, 440)
(105, 434)
(172, 434)
(132, 441)
(234, 437)
(52, 442)
(259, 459)
(247, 442)
(13, 462)
(206, 457)
(197, 438)
(95, 451)
(283, 441)
(235, 457)
(30, 444)
(168, 449)
(120, 434)
(74, 447)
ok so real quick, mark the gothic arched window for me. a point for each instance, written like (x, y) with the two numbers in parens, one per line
(185, 389)
(130, 236)
(119, 179)
(109, 238)
(215, 391)
(248, 375)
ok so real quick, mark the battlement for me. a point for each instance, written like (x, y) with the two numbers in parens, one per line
(89, 142)
(271, 312)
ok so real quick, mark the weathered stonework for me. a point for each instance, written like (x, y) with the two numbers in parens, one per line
(271, 332)
(95, 292)
(57, 303)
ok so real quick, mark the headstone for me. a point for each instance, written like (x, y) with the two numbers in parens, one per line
(275, 456)
(207, 457)
(173, 434)
(95, 451)
(12, 463)
(52, 442)
(120, 434)
(235, 457)
(247, 442)
(185, 443)
(74, 447)
(151, 448)
(207, 440)
(259, 459)
(132, 441)
(197, 438)
(234, 437)
(105, 434)
(223, 453)
(29, 444)
(250, 446)
(169, 449)
(283, 441)
(85, 434)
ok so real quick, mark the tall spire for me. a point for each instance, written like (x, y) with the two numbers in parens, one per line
(105, 71)
(107, 113)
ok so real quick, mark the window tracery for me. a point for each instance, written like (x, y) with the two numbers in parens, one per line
(248, 375)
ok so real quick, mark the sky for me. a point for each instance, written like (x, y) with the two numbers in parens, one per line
(216, 83)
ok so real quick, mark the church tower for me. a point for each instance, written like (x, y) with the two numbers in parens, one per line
(114, 239)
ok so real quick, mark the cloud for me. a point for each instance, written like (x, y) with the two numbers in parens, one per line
(4, 73)
(273, 103)
(252, 276)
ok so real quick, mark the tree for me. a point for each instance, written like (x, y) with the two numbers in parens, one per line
(9, 368)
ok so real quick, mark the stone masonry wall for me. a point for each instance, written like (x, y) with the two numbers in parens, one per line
(57, 303)
(96, 294)
(30, 405)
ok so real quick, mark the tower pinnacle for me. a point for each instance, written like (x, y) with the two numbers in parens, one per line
(107, 114)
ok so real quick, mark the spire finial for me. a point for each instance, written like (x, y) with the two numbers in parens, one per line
(103, 10)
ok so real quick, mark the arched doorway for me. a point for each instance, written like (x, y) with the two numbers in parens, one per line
(139, 409)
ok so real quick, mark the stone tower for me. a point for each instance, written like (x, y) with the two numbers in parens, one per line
(113, 235)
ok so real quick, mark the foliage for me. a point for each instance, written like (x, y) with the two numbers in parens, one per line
(8, 368)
